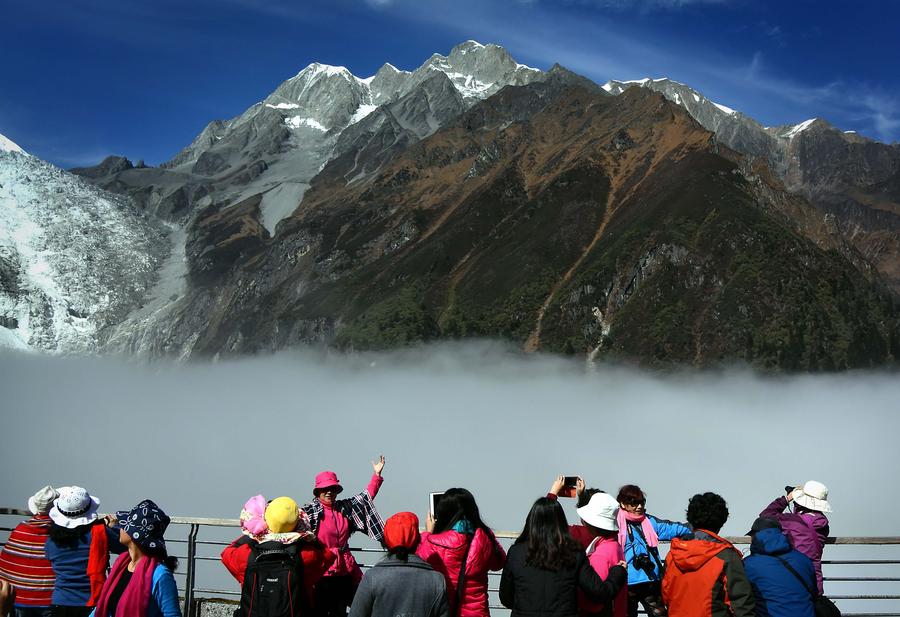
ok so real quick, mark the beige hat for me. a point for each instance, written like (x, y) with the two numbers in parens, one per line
(600, 512)
(813, 496)
(42, 501)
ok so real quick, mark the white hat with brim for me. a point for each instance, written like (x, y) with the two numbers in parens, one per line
(74, 507)
(812, 496)
(41, 501)
(600, 512)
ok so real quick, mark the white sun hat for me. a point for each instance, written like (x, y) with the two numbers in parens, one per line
(41, 501)
(74, 507)
(600, 512)
(813, 496)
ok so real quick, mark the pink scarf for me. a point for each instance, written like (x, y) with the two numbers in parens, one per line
(136, 597)
(623, 517)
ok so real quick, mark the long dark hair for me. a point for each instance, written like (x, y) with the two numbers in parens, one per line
(65, 537)
(163, 556)
(455, 505)
(550, 547)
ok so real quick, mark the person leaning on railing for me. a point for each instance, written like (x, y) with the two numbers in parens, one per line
(705, 575)
(807, 526)
(141, 583)
(78, 549)
(23, 561)
(639, 535)
(546, 567)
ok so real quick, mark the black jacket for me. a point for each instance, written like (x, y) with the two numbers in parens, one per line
(533, 592)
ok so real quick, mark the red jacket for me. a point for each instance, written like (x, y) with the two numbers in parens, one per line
(705, 578)
(444, 551)
(316, 561)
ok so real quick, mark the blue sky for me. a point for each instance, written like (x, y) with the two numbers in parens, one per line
(141, 78)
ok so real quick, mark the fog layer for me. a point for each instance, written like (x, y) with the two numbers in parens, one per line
(201, 438)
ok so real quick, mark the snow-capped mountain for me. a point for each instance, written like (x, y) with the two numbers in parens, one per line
(73, 259)
(8, 145)
(277, 145)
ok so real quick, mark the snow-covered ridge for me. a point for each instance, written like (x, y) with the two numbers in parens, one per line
(8, 145)
(73, 258)
(673, 90)
(798, 128)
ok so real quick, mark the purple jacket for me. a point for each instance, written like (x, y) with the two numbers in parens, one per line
(807, 532)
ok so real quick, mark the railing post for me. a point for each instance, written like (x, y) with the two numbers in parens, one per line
(191, 573)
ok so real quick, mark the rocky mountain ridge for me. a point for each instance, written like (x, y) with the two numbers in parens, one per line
(478, 197)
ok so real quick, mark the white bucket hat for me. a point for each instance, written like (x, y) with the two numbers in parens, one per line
(41, 501)
(600, 512)
(74, 507)
(813, 496)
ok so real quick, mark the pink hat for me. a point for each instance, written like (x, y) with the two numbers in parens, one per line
(326, 479)
(253, 522)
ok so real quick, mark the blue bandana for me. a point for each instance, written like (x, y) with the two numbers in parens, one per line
(145, 524)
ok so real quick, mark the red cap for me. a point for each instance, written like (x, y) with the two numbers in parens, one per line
(402, 529)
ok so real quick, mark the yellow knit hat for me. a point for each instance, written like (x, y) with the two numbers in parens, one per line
(282, 515)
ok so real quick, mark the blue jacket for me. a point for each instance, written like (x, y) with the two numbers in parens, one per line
(70, 563)
(778, 592)
(635, 544)
(164, 597)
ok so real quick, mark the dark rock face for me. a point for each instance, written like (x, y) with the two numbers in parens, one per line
(848, 177)
(109, 166)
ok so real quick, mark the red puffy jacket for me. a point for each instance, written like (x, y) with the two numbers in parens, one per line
(444, 551)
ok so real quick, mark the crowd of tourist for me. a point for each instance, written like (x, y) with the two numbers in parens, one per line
(295, 560)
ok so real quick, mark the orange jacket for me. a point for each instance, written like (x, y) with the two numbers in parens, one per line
(705, 578)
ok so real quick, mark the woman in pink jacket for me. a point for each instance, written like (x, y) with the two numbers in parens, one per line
(333, 521)
(454, 536)
(604, 552)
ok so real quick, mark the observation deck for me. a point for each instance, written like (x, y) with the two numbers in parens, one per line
(862, 574)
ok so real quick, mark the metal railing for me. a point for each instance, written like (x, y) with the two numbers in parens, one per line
(858, 576)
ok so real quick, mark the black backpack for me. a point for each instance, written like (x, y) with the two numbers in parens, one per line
(273, 582)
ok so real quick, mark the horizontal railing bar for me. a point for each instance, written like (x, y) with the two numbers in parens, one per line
(863, 597)
(850, 562)
(218, 591)
(863, 578)
(508, 535)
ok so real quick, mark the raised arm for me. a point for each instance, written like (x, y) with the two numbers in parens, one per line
(776, 508)
(376, 481)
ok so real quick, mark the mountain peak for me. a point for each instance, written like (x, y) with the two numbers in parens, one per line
(8, 145)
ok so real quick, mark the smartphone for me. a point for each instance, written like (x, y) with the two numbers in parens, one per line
(434, 499)
(569, 489)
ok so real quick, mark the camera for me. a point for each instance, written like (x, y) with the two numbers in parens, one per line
(643, 562)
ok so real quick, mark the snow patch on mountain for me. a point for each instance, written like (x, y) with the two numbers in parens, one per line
(298, 121)
(73, 259)
(8, 145)
(727, 110)
(798, 128)
(279, 202)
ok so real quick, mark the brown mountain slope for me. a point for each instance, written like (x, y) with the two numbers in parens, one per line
(593, 224)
